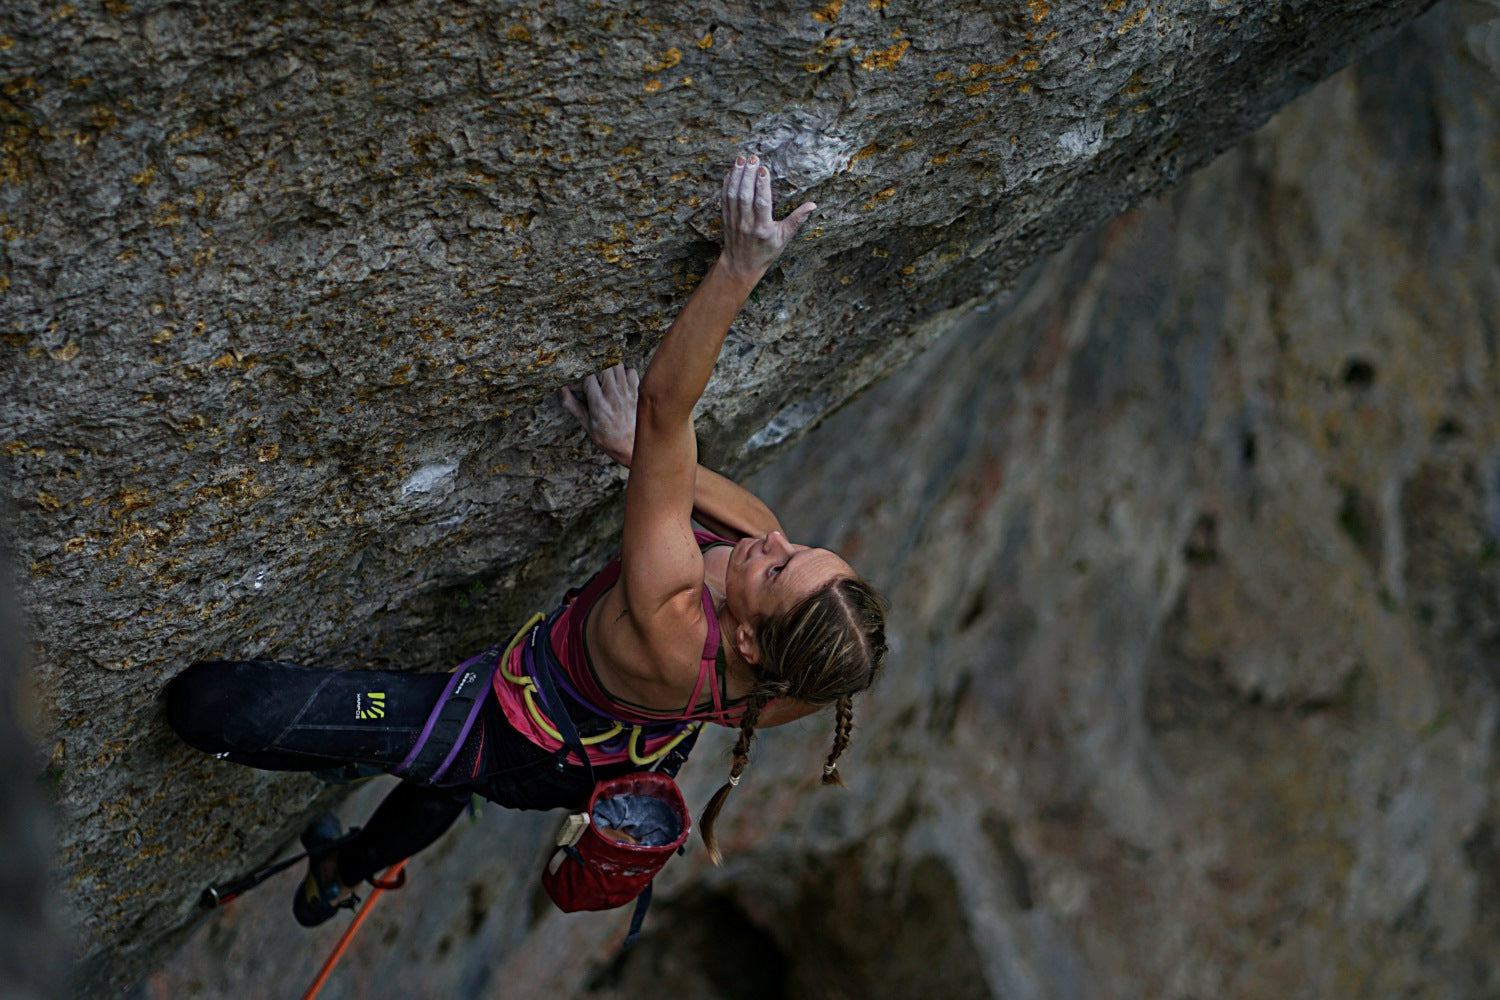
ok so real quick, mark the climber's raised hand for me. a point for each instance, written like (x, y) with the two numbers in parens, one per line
(605, 405)
(752, 238)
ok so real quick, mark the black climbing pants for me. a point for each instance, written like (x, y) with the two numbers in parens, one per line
(285, 717)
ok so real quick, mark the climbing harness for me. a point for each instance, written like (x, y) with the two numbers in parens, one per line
(591, 870)
(538, 660)
(452, 718)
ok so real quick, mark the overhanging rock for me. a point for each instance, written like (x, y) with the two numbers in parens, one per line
(285, 292)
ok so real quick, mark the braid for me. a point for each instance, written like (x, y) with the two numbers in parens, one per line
(825, 648)
(757, 700)
(842, 726)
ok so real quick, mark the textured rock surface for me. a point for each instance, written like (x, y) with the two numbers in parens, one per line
(1193, 549)
(284, 291)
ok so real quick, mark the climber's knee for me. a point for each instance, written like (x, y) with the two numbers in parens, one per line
(194, 706)
(195, 703)
(205, 703)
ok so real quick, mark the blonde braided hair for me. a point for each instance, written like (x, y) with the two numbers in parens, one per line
(825, 649)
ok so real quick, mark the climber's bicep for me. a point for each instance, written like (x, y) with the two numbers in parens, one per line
(659, 558)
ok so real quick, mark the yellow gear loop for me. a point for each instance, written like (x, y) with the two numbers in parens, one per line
(664, 749)
(525, 630)
(541, 720)
(528, 695)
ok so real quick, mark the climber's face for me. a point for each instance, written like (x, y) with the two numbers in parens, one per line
(767, 576)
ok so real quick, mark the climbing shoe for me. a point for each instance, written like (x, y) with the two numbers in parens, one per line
(317, 898)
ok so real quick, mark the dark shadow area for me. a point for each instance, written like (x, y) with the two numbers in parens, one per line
(32, 950)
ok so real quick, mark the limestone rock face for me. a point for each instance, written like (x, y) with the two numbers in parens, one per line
(285, 290)
(1192, 547)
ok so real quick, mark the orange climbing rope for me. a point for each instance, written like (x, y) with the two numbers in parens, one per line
(394, 878)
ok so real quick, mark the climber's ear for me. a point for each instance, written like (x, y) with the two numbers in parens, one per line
(746, 643)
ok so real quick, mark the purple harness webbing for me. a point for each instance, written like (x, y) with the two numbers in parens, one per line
(462, 678)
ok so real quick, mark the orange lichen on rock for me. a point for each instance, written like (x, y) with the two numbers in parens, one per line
(886, 58)
(669, 58)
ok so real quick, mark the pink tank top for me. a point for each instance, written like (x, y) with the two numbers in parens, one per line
(709, 701)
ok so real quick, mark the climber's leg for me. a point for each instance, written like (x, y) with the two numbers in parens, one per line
(408, 820)
(282, 716)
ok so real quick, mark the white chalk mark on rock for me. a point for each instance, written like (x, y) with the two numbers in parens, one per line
(786, 423)
(1084, 142)
(434, 477)
(803, 148)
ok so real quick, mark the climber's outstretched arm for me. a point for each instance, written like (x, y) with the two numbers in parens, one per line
(661, 567)
(605, 405)
(729, 510)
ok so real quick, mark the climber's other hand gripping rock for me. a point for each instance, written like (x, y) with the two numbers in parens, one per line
(605, 405)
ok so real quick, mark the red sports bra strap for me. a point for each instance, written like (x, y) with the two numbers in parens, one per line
(705, 662)
(708, 669)
(711, 642)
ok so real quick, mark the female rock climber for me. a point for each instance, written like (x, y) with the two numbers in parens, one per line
(737, 626)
